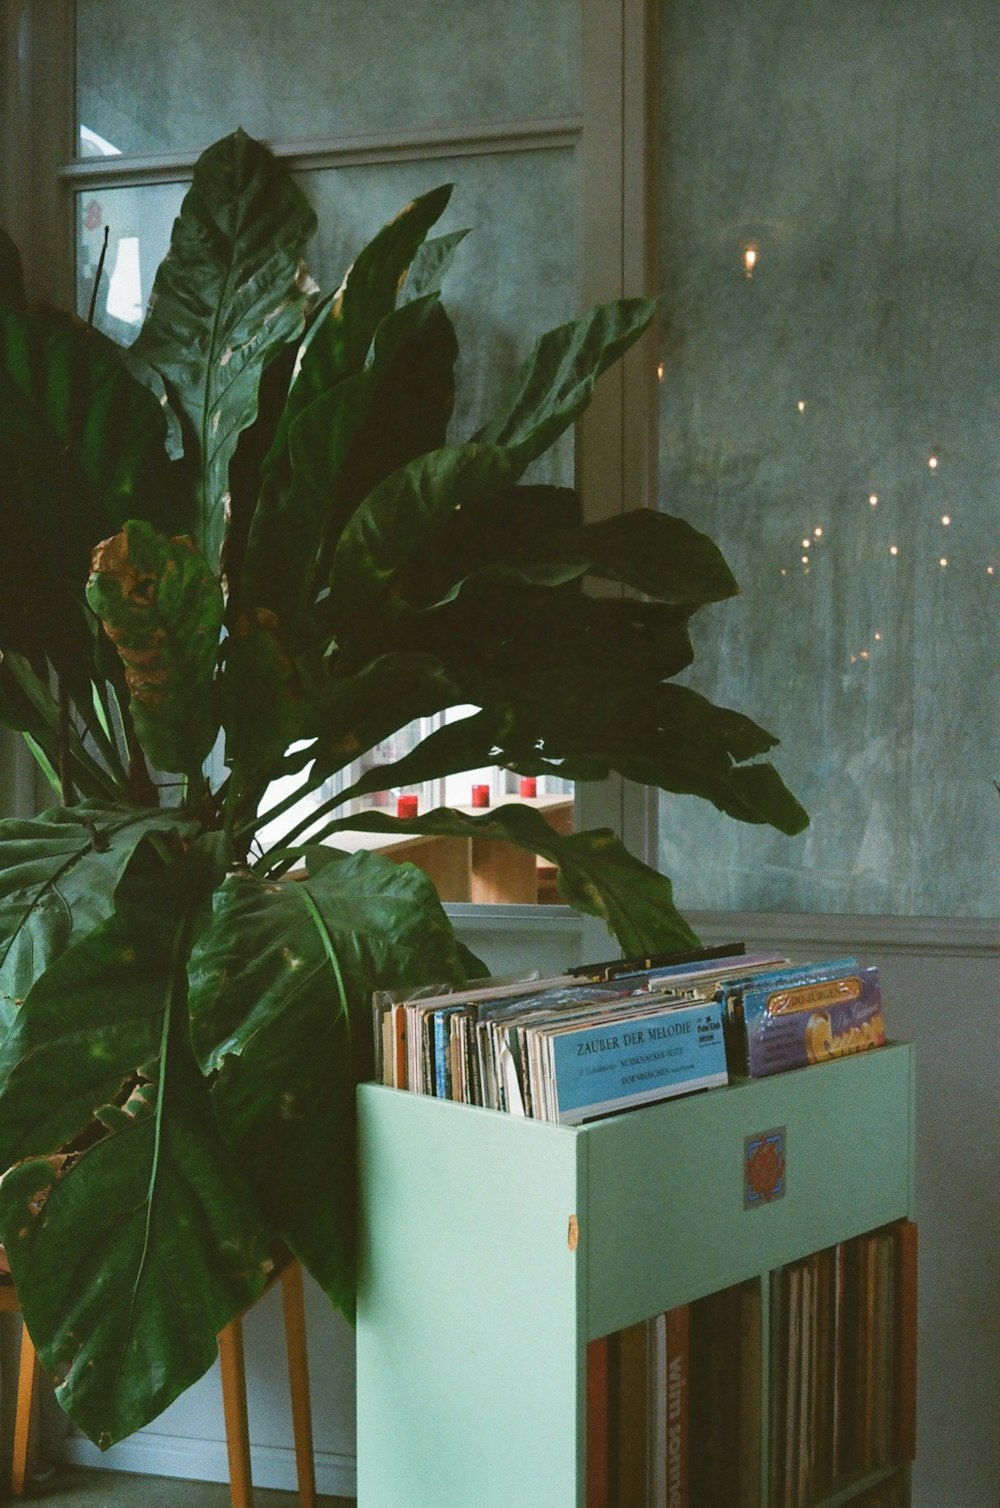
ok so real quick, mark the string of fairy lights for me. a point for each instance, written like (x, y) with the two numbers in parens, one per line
(813, 538)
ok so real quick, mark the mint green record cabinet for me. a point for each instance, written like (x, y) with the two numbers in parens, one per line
(495, 1248)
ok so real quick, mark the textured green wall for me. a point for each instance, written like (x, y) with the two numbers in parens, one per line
(852, 149)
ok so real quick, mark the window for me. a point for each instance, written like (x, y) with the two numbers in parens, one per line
(372, 106)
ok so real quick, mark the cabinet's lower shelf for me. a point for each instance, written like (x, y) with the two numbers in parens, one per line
(494, 1249)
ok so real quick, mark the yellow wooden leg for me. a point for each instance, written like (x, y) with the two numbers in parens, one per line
(234, 1406)
(293, 1302)
(27, 1393)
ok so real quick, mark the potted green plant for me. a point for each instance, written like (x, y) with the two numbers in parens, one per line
(252, 534)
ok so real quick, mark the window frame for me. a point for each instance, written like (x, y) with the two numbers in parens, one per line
(615, 136)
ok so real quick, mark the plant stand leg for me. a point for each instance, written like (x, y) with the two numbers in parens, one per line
(298, 1381)
(27, 1393)
(234, 1407)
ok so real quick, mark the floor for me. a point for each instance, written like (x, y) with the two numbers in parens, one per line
(71, 1487)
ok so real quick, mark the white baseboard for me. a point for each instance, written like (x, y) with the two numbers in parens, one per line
(205, 1461)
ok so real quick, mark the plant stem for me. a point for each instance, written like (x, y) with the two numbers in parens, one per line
(97, 279)
(283, 806)
(306, 823)
(66, 791)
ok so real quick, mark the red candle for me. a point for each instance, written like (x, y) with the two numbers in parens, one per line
(406, 806)
(480, 795)
(528, 785)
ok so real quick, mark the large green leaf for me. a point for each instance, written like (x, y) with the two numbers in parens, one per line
(554, 385)
(348, 438)
(343, 717)
(504, 527)
(653, 553)
(162, 608)
(82, 449)
(293, 512)
(58, 876)
(230, 294)
(431, 263)
(259, 672)
(337, 344)
(280, 994)
(131, 1252)
(582, 723)
(399, 517)
(354, 713)
(413, 393)
(500, 629)
(596, 873)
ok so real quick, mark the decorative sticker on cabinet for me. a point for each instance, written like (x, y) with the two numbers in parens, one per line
(764, 1167)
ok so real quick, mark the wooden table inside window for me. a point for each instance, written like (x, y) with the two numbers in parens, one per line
(484, 870)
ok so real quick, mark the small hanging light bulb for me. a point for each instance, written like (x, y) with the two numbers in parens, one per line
(749, 260)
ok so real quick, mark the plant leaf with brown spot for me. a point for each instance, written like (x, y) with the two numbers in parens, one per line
(82, 449)
(162, 608)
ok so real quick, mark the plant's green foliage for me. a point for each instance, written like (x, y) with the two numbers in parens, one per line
(259, 672)
(11, 273)
(180, 1029)
(281, 1002)
(293, 512)
(338, 343)
(231, 293)
(412, 372)
(503, 629)
(652, 553)
(430, 264)
(547, 722)
(596, 873)
(554, 385)
(348, 438)
(162, 608)
(82, 450)
(354, 712)
(58, 876)
(399, 517)
(27, 705)
(142, 1241)
(500, 528)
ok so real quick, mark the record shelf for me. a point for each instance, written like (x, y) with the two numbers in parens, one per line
(495, 1248)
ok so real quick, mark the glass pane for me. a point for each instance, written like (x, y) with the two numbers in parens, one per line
(831, 371)
(170, 76)
(514, 276)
